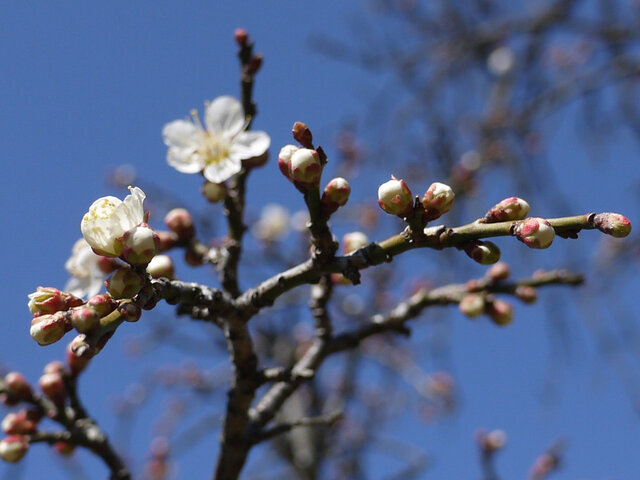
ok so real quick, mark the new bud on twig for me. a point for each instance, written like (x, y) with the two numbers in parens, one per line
(500, 312)
(335, 194)
(490, 442)
(124, 283)
(395, 198)
(499, 271)
(130, 311)
(161, 266)
(103, 304)
(213, 192)
(512, 208)
(18, 389)
(79, 352)
(534, 232)
(353, 241)
(306, 167)
(13, 448)
(526, 293)
(472, 305)
(180, 222)
(437, 200)
(52, 385)
(613, 224)
(139, 245)
(47, 300)
(48, 329)
(302, 134)
(483, 252)
(284, 159)
(85, 319)
(241, 37)
(18, 423)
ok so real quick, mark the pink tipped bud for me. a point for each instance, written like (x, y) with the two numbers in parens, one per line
(179, 220)
(437, 200)
(18, 389)
(166, 240)
(139, 245)
(18, 423)
(535, 232)
(284, 159)
(526, 293)
(46, 300)
(336, 193)
(302, 134)
(64, 448)
(52, 385)
(241, 37)
(472, 305)
(395, 198)
(107, 264)
(213, 192)
(305, 166)
(543, 466)
(161, 266)
(55, 366)
(103, 304)
(79, 352)
(124, 283)
(353, 241)
(13, 448)
(492, 441)
(485, 253)
(48, 329)
(85, 319)
(498, 272)
(130, 311)
(512, 208)
(500, 312)
(613, 224)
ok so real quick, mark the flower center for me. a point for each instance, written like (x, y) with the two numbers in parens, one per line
(102, 209)
(215, 148)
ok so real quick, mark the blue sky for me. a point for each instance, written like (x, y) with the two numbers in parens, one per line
(88, 86)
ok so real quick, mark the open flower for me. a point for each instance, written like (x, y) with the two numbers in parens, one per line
(217, 150)
(109, 218)
(86, 276)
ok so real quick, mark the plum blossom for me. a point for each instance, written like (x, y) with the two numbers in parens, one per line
(109, 218)
(218, 148)
(86, 276)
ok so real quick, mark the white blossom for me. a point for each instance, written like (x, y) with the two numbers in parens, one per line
(109, 218)
(217, 148)
(86, 277)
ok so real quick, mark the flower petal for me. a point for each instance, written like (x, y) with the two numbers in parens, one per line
(181, 134)
(225, 115)
(223, 170)
(249, 144)
(130, 213)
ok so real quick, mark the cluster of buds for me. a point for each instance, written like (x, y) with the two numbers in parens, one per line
(302, 165)
(512, 208)
(395, 198)
(251, 63)
(335, 195)
(534, 232)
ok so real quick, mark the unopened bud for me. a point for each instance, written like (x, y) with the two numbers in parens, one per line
(18, 423)
(241, 36)
(103, 304)
(526, 293)
(512, 208)
(395, 198)
(353, 241)
(18, 389)
(161, 266)
(54, 366)
(52, 385)
(179, 220)
(500, 312)
(472, 305)
(302, 134)
(535, 232)
(46, 300)
(336, 193)
(305, 166)
(85, 319)
(130, 311)
(107, 264)
(124, 283)
(64, 448)
(437, 200)
(483, 252)
(48, 329)
(166, 240)
(139, 245)
(613, 224)
(13, 448)
(284, 159)
(213, 192)
(492, 441)
(498, 272)
(79, 353)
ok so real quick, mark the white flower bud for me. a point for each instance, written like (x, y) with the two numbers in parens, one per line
(13, 448)
(535, 232)
(48, 329)
(305, 166)
(214, 192)
(284, 159)
(395, 198)
(139, 245)
(437, 200)
(161, 266)
(353, 241)
(472, 305)
(512, 208)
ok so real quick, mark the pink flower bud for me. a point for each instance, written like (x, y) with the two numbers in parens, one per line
(485, 253)
(103, 304)
(161, 266)
(46, 300)
(241, 36)
(52, 385)
(18, 389)
(498, 272)
(124, 283)
(79, 353)
(55, 366)
(472, 305)
(284, 159)
(179, 220)
(85, 319)
(302, 134)
(166, 240)
(107, 264)
(139, 245)
(305, 166)
(437, 200)
(395, 198)
(512, 208)
(535, 232)
(213, 192)
(64, 448)
(18, 423)
(613, 224)
(336, 193)
(353, 241)
(130, 311)
(526, 293)
(500, 312)
(492, 441)
(13, 448)
(48, 329)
